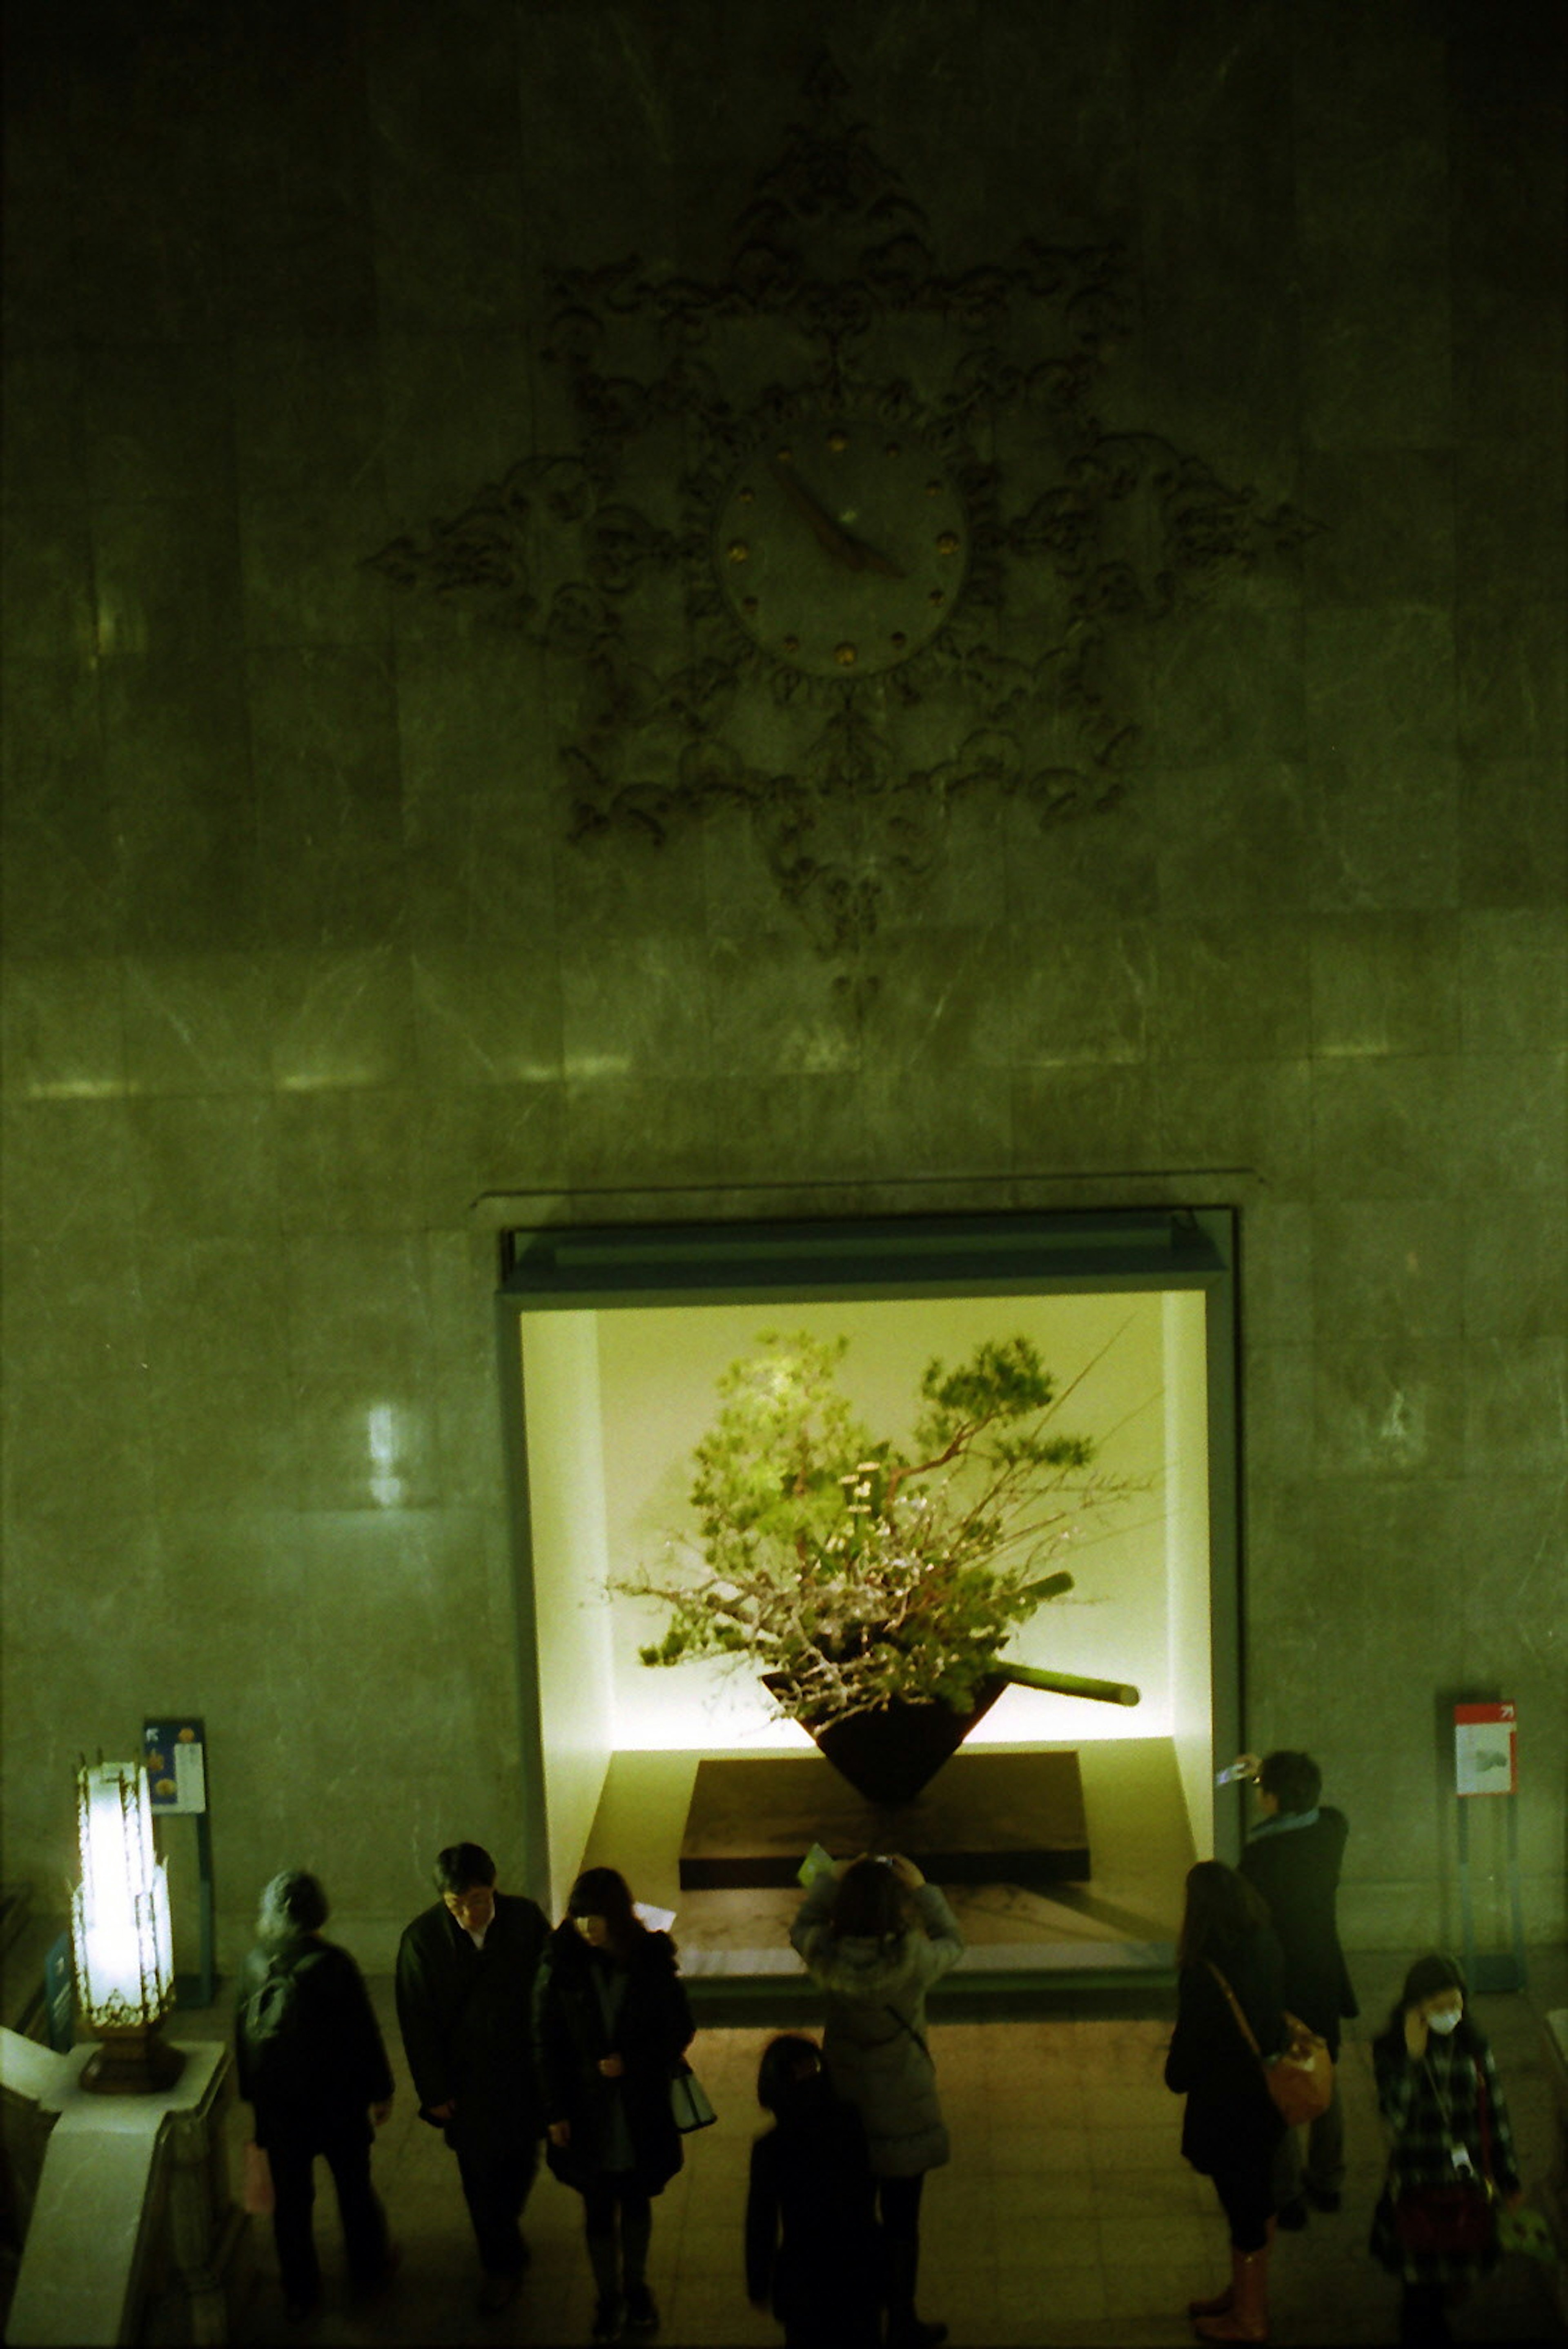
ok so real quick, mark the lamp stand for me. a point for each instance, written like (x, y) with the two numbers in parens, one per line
(132, 2062)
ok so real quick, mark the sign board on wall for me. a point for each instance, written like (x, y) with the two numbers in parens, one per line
(175, 1753)
(1485, 1753)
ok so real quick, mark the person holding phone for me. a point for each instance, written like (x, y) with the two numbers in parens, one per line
(875, 1936)
(1294, 1858)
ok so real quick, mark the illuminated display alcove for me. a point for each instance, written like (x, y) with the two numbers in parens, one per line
(612, 1342)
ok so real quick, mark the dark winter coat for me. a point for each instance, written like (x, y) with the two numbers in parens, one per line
(811, 2242)
(467, 2019)
(316, 2079)
(615, 2124)
(1231, 2121)
(874, 2044)
(1296, 1869)
(1426, 2101)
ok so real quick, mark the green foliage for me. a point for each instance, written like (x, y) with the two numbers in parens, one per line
(857, 1572)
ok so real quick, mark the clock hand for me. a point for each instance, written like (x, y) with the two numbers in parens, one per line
(852, 553)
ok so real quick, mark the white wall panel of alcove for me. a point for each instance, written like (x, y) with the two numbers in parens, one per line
(610, 1356)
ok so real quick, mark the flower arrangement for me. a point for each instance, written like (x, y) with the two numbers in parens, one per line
(855, 1574)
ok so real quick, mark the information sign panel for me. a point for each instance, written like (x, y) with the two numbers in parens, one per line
(175, 1753)
(1485, 1753)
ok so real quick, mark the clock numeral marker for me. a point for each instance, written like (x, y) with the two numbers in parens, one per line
(737, 550)
(792, 644)
(947, 542)
(839, 442)
(933, 489)
(937, 596)
(846, 655)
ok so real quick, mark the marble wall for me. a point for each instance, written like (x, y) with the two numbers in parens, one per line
(300, 964)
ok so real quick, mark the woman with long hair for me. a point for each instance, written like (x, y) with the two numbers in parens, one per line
(875, 1936)
(812, 2248)
(1230, 1972)
(1449, 2144)
(611, 2023)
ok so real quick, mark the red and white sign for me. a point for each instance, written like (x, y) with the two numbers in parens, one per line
(1486, 1760)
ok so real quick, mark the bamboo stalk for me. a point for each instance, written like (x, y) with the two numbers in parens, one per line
(1068, 1684)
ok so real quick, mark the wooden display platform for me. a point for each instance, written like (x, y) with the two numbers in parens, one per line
(985, 1818)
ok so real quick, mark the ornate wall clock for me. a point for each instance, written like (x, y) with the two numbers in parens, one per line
(842, 537)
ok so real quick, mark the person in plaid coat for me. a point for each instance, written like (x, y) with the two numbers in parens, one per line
(1449, 2129)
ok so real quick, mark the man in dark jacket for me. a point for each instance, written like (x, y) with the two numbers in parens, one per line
(312, 2062)
(465, 2005)
(1293, 1859)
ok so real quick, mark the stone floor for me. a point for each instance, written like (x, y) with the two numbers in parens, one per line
(1066, 2215)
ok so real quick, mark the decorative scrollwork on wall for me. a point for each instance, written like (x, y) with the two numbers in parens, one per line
(843, 538)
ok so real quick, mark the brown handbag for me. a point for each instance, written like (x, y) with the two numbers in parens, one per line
(1299, 2078)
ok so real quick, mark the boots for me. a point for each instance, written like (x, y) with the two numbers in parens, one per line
(1224, 2302)
(1242, 2314)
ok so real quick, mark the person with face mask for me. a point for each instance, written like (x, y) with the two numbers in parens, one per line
(1450, 2138)
(611, 2022)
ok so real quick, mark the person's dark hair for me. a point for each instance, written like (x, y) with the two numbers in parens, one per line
(292, 1904)
(1223, 1910)
(461, 1866)
(1294, 1780)
(605, 1892)
(777, 2073)
(871, 1901)
(1426, 1978)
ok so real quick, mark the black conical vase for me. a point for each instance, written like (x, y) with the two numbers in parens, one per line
(890, 1755)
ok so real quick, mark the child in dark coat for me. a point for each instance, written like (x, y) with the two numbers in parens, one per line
(812, 2244)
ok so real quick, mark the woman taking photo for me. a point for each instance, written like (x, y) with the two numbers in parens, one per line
(611, 2023)
(1450, 2138)
(876, 1935)
(1228, 1985)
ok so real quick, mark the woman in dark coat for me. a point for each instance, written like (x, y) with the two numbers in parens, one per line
(1231, 2129)
(1449, 2131)
(812, 2248)
(311, 2060)
(611, 2023)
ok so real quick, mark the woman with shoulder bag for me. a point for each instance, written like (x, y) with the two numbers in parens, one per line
(1450, 2149)
(875, 1936)
(1230, 2022)
(611, 2024)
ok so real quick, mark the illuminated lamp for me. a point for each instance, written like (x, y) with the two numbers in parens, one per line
(120, 1932)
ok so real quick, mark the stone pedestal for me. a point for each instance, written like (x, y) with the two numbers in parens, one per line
(988, 1818)
(133, 2233)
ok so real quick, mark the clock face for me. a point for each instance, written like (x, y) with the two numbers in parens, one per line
(841, 546)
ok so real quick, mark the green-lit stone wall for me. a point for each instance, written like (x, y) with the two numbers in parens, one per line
(300, 962)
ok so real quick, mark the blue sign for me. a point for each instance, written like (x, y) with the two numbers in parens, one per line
(175, 1753)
